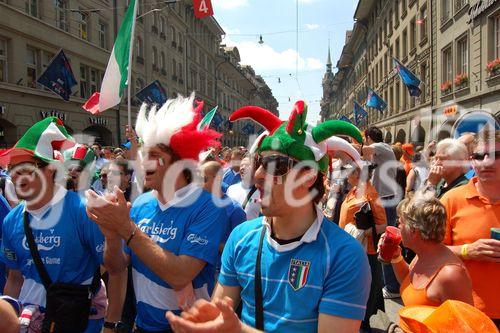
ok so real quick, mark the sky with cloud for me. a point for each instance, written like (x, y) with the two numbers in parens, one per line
(291, 74)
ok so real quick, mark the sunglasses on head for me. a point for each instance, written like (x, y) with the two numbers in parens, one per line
(277, 165)
(480, 156)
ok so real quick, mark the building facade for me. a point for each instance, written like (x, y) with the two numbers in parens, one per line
(447, 44)
(171, 45)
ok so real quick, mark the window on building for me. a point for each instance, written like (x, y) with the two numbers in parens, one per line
(61, 8)
(404, 40)
(422, 21)
(445, 10)
(139, 50)
(162, 60)
(94, 80)
(174, 69)
(154, 57)
(179, 70)
(462, 56)
(84, 81)
(447, 65)
(32, 61)
(3, 60)
(391, 26)
(496, 36)
(413, 35)
(397, 100)
(423, 78)
(459, 4)
(31, 7)
(403, 7)
(139, 84)
(396, 12)
(155, 19)
(83, 24)
(103, 35)
(173, 34)
(179, 39)
(396, 47)
(163, 26)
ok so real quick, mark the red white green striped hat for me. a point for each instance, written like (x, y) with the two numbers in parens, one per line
(40, 141)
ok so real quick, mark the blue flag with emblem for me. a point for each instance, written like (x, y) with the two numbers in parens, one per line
(373, 100)
(360, 115)
(58, 76)
(217, 121)
(410, 80)
(344, 118)
(154, 93)
(248, 129)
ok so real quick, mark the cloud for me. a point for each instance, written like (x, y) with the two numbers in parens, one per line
(312, 26)
(265, 58)
(230, 4)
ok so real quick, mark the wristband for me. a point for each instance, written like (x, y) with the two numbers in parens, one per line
(131, 236)
(397, 259)
(464, 252)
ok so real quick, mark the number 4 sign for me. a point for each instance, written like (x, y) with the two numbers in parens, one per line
(202, 8)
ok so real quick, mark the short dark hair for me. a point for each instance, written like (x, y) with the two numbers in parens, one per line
(319, 186)
(374, 133)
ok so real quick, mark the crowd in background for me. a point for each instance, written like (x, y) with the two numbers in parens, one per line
(445, 202)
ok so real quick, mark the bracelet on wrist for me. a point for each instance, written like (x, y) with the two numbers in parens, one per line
(132, 235)
(464, 251)
(397, 259)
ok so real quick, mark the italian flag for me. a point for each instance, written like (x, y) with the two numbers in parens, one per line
(118, 71)
(205, 122)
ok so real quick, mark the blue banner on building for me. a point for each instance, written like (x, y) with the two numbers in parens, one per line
(58, 76)
(410, 80)
(360, 115)
(154, 93)
(373, 100)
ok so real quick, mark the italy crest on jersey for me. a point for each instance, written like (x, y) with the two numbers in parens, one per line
(297, 273)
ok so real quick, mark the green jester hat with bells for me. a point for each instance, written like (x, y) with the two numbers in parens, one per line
(299, 140)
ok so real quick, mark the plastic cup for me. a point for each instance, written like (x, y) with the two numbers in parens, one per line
(390, 244)
(495, 233)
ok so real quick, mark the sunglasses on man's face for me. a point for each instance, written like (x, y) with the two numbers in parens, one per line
(277, 165)
(481, 156)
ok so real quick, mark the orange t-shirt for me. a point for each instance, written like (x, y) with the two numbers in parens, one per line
(352, 204)
(469, 218)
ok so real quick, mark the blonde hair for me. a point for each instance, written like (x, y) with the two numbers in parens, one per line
(422, 211)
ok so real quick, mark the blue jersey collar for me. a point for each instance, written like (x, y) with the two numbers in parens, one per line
(310, 235)
(181, 196)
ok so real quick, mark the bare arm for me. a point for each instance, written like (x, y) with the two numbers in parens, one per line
(117, 289)
(342, 325)
(177, 271)
(9, 321)
(410, 181)
(14, 283)
(443, 287)
(221, 291)
(401, 270)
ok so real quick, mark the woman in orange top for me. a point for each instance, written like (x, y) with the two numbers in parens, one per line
(436, 274)
(363, 192)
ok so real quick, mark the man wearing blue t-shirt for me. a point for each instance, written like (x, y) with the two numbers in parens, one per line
(69, 244)
(232, 175)
(211, 173)
(172, 234)
(314, 277)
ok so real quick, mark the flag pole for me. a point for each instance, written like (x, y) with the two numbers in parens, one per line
(129, 74)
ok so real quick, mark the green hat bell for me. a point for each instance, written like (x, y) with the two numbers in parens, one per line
(296, 138)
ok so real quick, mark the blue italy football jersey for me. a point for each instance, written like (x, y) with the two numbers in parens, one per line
(70, 246)
(190, 224)
(326, 272)
(4, 210)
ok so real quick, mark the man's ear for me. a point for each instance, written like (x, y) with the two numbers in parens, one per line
(310, 177)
